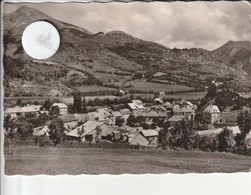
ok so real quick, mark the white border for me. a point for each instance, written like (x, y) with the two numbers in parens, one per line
(206, 184)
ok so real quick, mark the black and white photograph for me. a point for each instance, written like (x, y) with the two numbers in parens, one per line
(126, 88)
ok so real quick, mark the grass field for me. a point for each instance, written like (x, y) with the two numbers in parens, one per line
(30, 160)
(148, 86)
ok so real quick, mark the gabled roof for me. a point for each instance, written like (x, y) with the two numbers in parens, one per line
(154, 113)
(68, 118)
(116, 114)
(42, 130)
(60, 105)
(132, 106)
(176, 118)
(89, 126)
(150, 133)
(137, 102)
(84, 117)
(17, 109)
(168, 105)
(212, 109)
(101, 114)
(125, 111)
(138, 140)
(107, 130)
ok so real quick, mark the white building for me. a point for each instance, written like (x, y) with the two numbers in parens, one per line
(211, 114)
(136, 107)
(13, 112)
(63, 109)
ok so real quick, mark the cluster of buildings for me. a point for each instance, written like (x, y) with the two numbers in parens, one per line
(101, 123)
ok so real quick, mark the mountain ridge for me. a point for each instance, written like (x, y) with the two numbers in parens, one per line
(107, 59)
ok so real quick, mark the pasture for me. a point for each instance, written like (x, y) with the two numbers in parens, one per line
(33, 160)
(142, 85)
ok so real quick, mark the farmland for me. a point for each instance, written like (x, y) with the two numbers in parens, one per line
(148, 86)
(30, 160)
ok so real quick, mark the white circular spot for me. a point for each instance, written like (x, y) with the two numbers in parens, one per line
(40, 40)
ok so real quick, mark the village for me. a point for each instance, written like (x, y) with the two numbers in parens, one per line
(135, 123)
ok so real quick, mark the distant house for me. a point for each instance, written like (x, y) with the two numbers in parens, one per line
(176, 118)
(63, 109)
(107, 132)
(29, 109)
(168, 105)
(158, 100)
(42, 130)
(125, 112)
(70, 121)
(154, 114)
(102, 115)
(136, 107)
(188, 112)
(152, 136)
(88, 131)
(137, 139)
(211, 114)
(116, 114)
(82, 118)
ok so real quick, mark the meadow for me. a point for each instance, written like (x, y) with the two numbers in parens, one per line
(33, 160)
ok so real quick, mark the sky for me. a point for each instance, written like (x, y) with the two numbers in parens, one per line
(205, 25)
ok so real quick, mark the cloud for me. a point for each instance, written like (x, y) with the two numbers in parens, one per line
(176, 24)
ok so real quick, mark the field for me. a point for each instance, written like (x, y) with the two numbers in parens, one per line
(148, 86)
(30, 160)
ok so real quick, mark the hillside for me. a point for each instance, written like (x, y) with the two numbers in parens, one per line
(114, 60)
(239, 50)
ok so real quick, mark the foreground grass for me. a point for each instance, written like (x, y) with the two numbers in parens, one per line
(32, 160)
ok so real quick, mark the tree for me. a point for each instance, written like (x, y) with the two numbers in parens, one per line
(81, 131)
(54, 110)
(77, 102)
(131, 119)
(84, 106)
(145, 126)
(244, 123)
(19, 102)
(56, 128)
(9, 126)
(226, 141)
(182, 135)
(47, 105)
(119, 121)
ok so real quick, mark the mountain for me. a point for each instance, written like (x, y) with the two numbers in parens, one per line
(106, 61)
(239, 50)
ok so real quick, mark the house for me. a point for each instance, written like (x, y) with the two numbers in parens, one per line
(211, 114)
(137, 139)
(82, 118)
(107, 132)
(154, 114)
(102, 115)
(152, 136)
(168, 105)
(158, 101)
(29, 109)
(70, 121)
(120, 134)
(86, 131)
(176, 118)
(125, 112)
(63, 109)
(187, 104)
(188, 112)
(136, 107)
(42, 130)
(116, 114)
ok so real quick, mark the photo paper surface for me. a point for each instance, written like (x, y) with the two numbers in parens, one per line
(133, 88)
